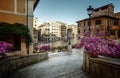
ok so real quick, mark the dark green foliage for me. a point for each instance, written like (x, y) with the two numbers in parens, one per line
(112, 32)
(118, 33)
(59, 48)
(17, 29)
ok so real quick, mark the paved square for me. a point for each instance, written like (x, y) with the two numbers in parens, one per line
(59, 65)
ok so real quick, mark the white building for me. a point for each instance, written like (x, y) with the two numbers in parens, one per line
(73, 29)
(35, 26)
(51, 31)
(35, 23)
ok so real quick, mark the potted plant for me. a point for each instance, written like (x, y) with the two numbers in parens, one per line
(45, 48)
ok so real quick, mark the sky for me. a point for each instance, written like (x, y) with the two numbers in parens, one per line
(68, 11)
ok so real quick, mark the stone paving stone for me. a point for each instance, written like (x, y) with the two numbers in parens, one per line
(59, 65)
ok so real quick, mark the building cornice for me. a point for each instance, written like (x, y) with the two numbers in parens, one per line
(105, 6)
(35, 4)
(101, 16)
(9, 12)
(117, 13)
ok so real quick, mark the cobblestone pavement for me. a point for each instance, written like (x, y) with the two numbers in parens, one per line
(59, 65)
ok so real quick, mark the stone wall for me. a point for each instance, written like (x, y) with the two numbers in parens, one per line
(12, 64)
(102, 67)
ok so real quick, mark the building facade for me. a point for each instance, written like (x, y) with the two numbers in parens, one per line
(73, 29)
(103, 19)
(18, 11)
(62, 30)
(35, 26)
(117, 15)
(52, 31)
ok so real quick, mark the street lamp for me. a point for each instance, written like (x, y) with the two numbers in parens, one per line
(69, 37)
(89, 10)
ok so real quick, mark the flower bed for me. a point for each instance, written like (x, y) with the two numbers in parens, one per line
(5, 47)
(43, 48)
(102, 55)
(46, 48)
(60, 48)
(100, 44)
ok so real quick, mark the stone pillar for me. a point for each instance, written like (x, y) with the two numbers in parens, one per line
(29, 12)
(23, 46)
(69, 48)
(31, 49)
(30, 26)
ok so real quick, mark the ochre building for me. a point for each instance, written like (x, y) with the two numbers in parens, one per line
(103, 19)
(18, 11)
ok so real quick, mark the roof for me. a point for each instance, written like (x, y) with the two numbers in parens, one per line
(117, 13)
(103, 7)
(99, 17)
(36, 3)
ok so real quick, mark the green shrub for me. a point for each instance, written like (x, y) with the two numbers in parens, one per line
(16, 29)
(112, 32)
(59, 48)
(118, 33)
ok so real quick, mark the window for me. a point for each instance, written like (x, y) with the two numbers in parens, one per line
(21, 6)
(9, 7)
(97, 22)
(17, 42)
(84, 23)
(116, 23)
(88, 23)
(79, 24)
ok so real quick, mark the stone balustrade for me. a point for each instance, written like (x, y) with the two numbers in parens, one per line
(102, 67)
(11, 64)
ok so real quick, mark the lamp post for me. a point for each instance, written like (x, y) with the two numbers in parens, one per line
(69, 36)
(89, 10)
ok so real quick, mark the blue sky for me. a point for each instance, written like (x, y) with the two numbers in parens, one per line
(68, 11)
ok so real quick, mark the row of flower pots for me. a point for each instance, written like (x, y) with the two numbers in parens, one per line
(48, 48)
